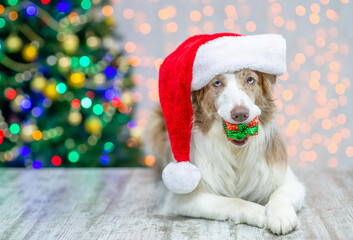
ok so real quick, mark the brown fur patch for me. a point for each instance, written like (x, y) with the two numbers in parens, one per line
(276, 153)
(265, 101)
(203, 102)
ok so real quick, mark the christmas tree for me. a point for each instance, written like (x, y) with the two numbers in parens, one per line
(65, 86)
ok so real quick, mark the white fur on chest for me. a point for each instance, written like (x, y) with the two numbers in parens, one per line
(231, 171)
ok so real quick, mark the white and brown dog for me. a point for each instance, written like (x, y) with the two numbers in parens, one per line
(245, 181)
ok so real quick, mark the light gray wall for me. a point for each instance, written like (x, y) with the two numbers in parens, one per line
(324, 44)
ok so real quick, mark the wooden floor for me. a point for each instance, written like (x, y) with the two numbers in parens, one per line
(120, 204)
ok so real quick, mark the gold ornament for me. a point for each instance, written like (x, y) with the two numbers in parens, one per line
(74, 118)
(13, 43)
(27, 132)
(76, 80)
(99, 79)
(50, 91)
(70, 44)
(123, 64)
(38, 83)
(109, 21)
(93, 42)
(93, 125)
(127, 98)
(136, 133)
(64, 64)
(16, 103)
(29, 53)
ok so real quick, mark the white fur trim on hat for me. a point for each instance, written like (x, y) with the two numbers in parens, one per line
(181, 177)
(265, 53)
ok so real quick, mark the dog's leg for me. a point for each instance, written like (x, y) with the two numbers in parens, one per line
(210, 206)
(283, 204)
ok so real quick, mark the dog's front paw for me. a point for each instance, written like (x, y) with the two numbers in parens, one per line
(281, 217)
(255, 216)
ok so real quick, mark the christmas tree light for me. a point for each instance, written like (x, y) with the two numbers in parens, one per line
(65, 88)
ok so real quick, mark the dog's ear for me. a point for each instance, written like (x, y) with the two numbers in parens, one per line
(197, 96)
(270, 79)
(268, 82)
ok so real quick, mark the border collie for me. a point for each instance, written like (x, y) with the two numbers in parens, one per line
(247, 181)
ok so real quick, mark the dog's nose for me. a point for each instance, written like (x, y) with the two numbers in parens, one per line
(239, 114)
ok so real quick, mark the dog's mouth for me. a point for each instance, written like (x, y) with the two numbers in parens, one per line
(240, 143)
(239, 134)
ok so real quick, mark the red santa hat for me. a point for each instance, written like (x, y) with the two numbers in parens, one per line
(189, 68)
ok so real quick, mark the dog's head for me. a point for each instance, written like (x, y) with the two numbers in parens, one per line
(236, 98)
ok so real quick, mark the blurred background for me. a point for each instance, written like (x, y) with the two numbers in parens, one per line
(65, 85)
(78, 77)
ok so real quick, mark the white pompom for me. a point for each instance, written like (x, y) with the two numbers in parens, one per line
(181, 177)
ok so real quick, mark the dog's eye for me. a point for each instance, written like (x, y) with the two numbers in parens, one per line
(217, 84)
(250, 80)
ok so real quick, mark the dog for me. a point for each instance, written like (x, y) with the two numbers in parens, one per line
(247, 181)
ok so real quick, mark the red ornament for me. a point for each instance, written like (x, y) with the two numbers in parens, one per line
(11, 94)
(56, 160)
(76, 103)
(116, 102)
(2, 133)
(90, 94)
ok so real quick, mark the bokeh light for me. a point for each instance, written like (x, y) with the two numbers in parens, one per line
(86, 4)
(31, 10)
(145, 28)
(37, 111)
(73, 156)
(15, 128)
(150, 160)
(26, 104)
(25, 151)
(195, 16)
(56, 161)
(128, 13)
(13, 16)
(2, 22)
(311, 97)
(104, 159)
(37, 135)
(300, 10)
(250, 26)
(163, 14)
(109, 72)
(86, 102)
(98, 109)
(116, 102)
(108, 147)
(63, 6)
(10, 94)
(61, 88)
(12, 2)
(107, 10)
(76, 103)
(84, 61)
(172, 27)
(37, 164)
